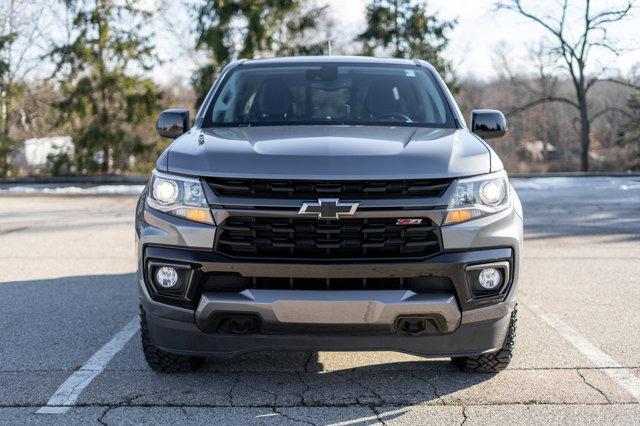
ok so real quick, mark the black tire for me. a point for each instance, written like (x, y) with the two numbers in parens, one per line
(495, 361)
(165, 362)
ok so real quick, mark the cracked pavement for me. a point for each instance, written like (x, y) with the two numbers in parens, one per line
(67, 286)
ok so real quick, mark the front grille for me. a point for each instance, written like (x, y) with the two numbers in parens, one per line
(307, 238)
(234, 282)
(308, 189)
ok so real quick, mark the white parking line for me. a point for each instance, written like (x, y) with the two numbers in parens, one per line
(67, 394)
(623, 376)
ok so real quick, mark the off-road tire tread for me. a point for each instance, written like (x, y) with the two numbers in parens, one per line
(161, 361)
(495, 361)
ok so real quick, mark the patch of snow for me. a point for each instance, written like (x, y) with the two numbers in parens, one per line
(74, 190)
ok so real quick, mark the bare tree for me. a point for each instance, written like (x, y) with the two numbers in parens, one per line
(573, 48)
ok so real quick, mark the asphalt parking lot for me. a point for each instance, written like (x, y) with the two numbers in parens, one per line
(67, 287)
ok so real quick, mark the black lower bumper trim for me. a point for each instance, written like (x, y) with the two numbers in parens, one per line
(451, 265)
(469, 339)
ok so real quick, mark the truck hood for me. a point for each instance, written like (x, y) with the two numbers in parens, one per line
(328, 152)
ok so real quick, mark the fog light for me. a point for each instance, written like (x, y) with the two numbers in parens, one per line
(166, 277)
(490, 278)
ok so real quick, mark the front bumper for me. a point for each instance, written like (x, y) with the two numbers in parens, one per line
(463, 322)
(334, 320)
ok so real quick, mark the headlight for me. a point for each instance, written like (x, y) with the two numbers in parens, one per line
(478, 196)
(179, 196)
(165, 191)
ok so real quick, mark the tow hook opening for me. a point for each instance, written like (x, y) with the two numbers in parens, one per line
(239, 325)
(416, 326)
(232, 324)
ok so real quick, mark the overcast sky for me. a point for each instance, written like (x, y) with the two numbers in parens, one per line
(480, 30)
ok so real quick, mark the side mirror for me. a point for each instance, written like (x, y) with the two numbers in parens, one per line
(172, 123)
(488, 123)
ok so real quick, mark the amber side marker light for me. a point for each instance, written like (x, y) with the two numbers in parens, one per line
(197, 215)
(457, 216)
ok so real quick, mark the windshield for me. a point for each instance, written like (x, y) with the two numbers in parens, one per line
(329, 94)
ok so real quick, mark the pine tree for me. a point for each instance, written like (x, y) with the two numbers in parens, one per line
(232, 29)
(100, 68)
(404, 29)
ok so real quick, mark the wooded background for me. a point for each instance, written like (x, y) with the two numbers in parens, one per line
(82, 69)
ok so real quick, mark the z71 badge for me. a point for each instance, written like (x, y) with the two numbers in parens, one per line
(409, 222)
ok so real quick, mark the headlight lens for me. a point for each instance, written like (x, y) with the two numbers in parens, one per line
(478, 196)
(165, 191)
(179, 196)
(492, 192)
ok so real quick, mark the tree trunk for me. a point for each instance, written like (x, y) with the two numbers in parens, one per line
(105, 161)
(585, 133)
(4, 135)
(545, 142)
(396, 27)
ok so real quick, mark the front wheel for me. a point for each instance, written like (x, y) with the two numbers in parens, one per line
(161, 361)
(495, 361)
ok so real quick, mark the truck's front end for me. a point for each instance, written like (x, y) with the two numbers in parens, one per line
(329, 204)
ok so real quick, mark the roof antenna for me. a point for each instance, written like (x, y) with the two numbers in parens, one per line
(329, 47)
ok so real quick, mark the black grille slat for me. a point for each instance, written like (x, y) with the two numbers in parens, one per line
(303, 189)
(427, 187)
(229, 187)
(329, 283)
(308, 238)
(421, 244)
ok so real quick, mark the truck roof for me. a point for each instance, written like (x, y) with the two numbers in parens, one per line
(331, 59)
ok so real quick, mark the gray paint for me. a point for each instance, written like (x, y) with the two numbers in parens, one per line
(330, 152)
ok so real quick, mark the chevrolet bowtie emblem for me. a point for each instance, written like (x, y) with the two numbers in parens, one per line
(328, 208)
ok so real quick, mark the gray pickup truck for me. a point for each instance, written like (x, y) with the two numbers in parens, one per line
(329, 203)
